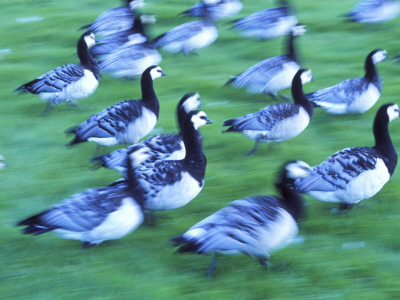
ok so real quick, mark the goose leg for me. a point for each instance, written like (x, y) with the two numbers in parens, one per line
(252, 151)
(212, 265)
(49, 107)
(264, 262)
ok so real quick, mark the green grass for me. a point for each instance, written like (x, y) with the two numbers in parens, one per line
(349, 256)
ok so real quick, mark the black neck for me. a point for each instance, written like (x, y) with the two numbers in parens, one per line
(383, 142)
(181, 114)
(291, 52)
(370, 70)
(86, 59)
(291, 199)
(193, 142)
(149, 96)
(298, 95)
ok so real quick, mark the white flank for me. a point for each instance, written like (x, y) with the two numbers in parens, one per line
(366, 185)
(283, 79)
(282, 131)
(204, 38)
(81, 88)
(176, 195)
(277, 235)
(109, 141)
(279, 28)
(138, 128)
(117, 224)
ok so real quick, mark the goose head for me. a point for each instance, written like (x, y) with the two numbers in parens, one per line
(134, 4)
(190, 101)
(299, 30)
(155, 72)
(392, 111)
(89, 38)
(296, 169)
(198, 118)
(306, 76)
(378, 55)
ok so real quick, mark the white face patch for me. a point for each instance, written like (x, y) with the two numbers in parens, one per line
(199, 119)
(299, 30)
(192, 103)
(306, 77)
(90, 40)
(379, 56)
(298, 169)
(393, 112)
(156, 73)
(134, 4)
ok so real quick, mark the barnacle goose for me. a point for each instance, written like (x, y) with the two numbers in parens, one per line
(255, 225)
(115, 19)
(353, 174)
(188, 37)
(124, 122)
(267, 23)
(130, 60)
(273, 74)
(68, 82)
(94, 216)
(110, 43)
(170, 184)
(214, 9)
(278, 122)
(165, 146)
(373, 11)
(355, 95)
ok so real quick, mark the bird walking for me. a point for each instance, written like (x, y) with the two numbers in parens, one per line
(254, 225)
(355, 95)
(169, 184)
(357, 173)
(124, 122)
(70, 82)
(94, 216)
(278, 122)
(165, 146)
(272, 74)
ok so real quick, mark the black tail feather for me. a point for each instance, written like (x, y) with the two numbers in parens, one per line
(34, 226)
(185, 244)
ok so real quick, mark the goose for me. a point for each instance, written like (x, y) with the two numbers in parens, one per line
(94, 216)
(170, 184)
(166, 146)
(115, 19)
(187, 37)
(355, 95)
(255, 225)
(278, 122)
(267, 23)
(214, 9)
(130, 60)
(110, 43)
(272, 74)
(70, 82)
(373, 11)
(124, 122)
(353, 174)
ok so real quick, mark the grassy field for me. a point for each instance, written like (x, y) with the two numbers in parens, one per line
(354, 255)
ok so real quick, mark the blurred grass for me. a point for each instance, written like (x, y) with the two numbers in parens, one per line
(349, 256)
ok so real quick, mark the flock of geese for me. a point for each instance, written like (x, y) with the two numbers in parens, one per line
(165, 172)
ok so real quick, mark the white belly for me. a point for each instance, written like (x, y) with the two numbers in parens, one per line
(176, 195)
(117, 224)
(366, 185)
